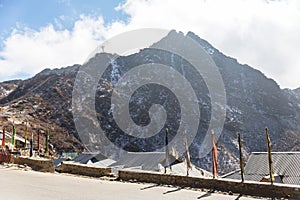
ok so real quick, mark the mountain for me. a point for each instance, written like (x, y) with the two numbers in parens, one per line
(43, 102)
(253, 103)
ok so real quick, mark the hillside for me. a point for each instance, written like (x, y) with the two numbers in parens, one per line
(253, 103)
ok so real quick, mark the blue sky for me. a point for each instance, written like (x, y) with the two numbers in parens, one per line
(37, 34)
(37, 13)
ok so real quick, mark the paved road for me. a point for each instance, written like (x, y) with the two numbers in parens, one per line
(27, 185)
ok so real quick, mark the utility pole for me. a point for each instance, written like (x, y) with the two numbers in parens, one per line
(241, 157)
(270, 157)
(167, 150)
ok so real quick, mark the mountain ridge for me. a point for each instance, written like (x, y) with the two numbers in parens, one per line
(254, 102)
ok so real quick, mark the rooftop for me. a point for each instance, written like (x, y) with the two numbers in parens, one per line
(286, 165)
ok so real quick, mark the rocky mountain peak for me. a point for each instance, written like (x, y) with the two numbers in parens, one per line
(253, 103)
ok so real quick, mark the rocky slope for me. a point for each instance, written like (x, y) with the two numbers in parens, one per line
(43, 102)
(7, 87)
(253, 103)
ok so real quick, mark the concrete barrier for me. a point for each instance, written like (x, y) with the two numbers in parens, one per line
(81, 169)
(37, 164)
(225, 185)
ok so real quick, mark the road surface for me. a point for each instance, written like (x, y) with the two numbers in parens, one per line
(18, 184)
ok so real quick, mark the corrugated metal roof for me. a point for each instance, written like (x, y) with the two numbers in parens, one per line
(102, 163)
(89, 156)
(57, 162)
(147, 160)
(285, 164)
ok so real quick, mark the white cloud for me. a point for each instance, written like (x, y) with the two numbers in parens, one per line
(261, 33)
(27, 52)
(30, 51)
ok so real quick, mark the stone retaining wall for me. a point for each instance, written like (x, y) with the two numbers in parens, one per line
(5, 155)
(80, 169)
(225, 185)
(37, 164)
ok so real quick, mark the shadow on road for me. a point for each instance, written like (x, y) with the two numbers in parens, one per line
(170, 191)
(207, 194)
(148, 187)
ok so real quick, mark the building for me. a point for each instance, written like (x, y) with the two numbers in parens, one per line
(156, 162)
(145, 161)
(148, 161)
(19, 141)
(286, 167)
